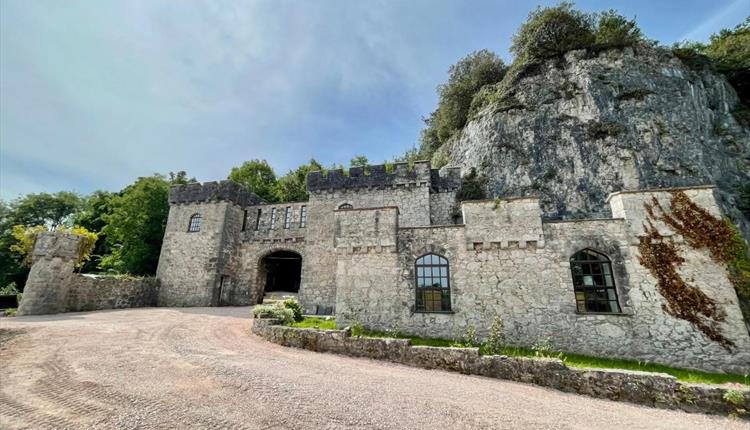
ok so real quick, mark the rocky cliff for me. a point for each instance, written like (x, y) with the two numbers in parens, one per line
(589, 124)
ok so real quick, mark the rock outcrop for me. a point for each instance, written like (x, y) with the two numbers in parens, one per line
(588, 124)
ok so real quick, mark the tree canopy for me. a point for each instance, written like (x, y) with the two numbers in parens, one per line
(258, 177)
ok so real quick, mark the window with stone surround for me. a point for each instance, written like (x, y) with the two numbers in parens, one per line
(346, 206)
(288, 217)
(257, 219)
(432, 277)
(195, 223)
(273, 218)
(593, 282)
(302, 217)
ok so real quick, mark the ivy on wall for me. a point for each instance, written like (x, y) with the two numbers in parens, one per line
(700, 230)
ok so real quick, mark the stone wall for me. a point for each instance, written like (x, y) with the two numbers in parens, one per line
(52, 287)
(506, 262)
(650, 389)
(87, 293)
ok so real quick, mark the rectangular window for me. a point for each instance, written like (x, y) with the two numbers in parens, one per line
(244, 220)
(273, 219)
(288, 217)
(302, 217)
(257, 220)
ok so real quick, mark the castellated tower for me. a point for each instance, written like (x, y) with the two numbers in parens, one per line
(202, 230)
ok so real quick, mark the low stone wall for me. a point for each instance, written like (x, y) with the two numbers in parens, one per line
(650, 389)
(86, 293)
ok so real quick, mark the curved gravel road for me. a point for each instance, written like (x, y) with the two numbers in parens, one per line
(201, 368)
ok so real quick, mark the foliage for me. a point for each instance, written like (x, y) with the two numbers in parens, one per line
(9, 290)
(552, 31)
(472, 187)
(603, 129)
(662, 258)
(468, 340)
(276, 311)
(728, 51)
(358, 161)
(258, 177)
(50, 210)
(292, 187)
(496, 339)
(734, 397)
(293, 304)
(135, 226)
(320, 323)
(465, 78)
(25, 240)
(91, 217)
(614, 30)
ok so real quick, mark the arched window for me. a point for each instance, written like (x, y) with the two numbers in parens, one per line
(593, 282)
(346, 206)
(432, 284)
(195, 223)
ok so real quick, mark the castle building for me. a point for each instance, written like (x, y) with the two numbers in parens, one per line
(397, 250)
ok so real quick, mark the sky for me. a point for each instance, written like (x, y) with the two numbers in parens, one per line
(95, 93)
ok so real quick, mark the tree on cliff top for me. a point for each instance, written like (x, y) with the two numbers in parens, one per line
(465, 78)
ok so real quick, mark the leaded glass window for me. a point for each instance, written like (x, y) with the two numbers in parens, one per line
(195, 223)
(593, 282)
(432, 284)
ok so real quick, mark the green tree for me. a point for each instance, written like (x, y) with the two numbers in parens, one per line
(730, 51)
(359, 161)
(613, 29)
(258, 177)
(465, 78)
(92, 217)
(292, 187)
(50, 210)
(135, 226)
(552, 31)
(12, 268)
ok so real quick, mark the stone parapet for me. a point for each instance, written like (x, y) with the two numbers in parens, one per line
(213, 191)
(651, 389)
(403, 174)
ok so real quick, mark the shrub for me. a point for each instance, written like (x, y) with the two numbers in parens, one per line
(496, 339)
(613, 29)
(9, 290)
(472, 187)
(295, 307)
(276, 311)
(552, 31)
(465, 78)
(734, 397)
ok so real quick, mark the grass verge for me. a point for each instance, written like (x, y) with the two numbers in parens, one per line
(320, 323)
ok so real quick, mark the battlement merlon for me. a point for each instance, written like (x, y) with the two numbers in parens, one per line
(377, 176)
(226, 190)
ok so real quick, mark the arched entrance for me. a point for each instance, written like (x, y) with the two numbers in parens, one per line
(281, 272)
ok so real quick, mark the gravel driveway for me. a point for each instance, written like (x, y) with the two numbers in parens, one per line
(201, 368)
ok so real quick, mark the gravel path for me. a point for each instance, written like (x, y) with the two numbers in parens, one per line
(201, 368)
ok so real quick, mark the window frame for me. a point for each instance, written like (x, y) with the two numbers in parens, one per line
(420, 304)
(273, 218)
(303, 216)
(287, 217)
(194, 224)
(345, 206)
(595, 298)
(257, 219)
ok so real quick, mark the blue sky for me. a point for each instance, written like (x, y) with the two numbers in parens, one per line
(95, 93)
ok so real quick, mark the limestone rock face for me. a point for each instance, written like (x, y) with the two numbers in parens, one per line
(589, 124)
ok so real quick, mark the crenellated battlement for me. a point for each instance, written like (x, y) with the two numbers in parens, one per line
(377, 176)
(226, 190)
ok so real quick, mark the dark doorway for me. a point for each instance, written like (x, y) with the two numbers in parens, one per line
(283, 270)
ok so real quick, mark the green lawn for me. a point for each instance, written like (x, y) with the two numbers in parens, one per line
(320, 323)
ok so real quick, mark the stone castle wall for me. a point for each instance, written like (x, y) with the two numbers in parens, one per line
(523, 275)
(53, 287)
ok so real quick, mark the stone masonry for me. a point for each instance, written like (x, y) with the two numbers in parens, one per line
(53, 287)
(360, 234)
